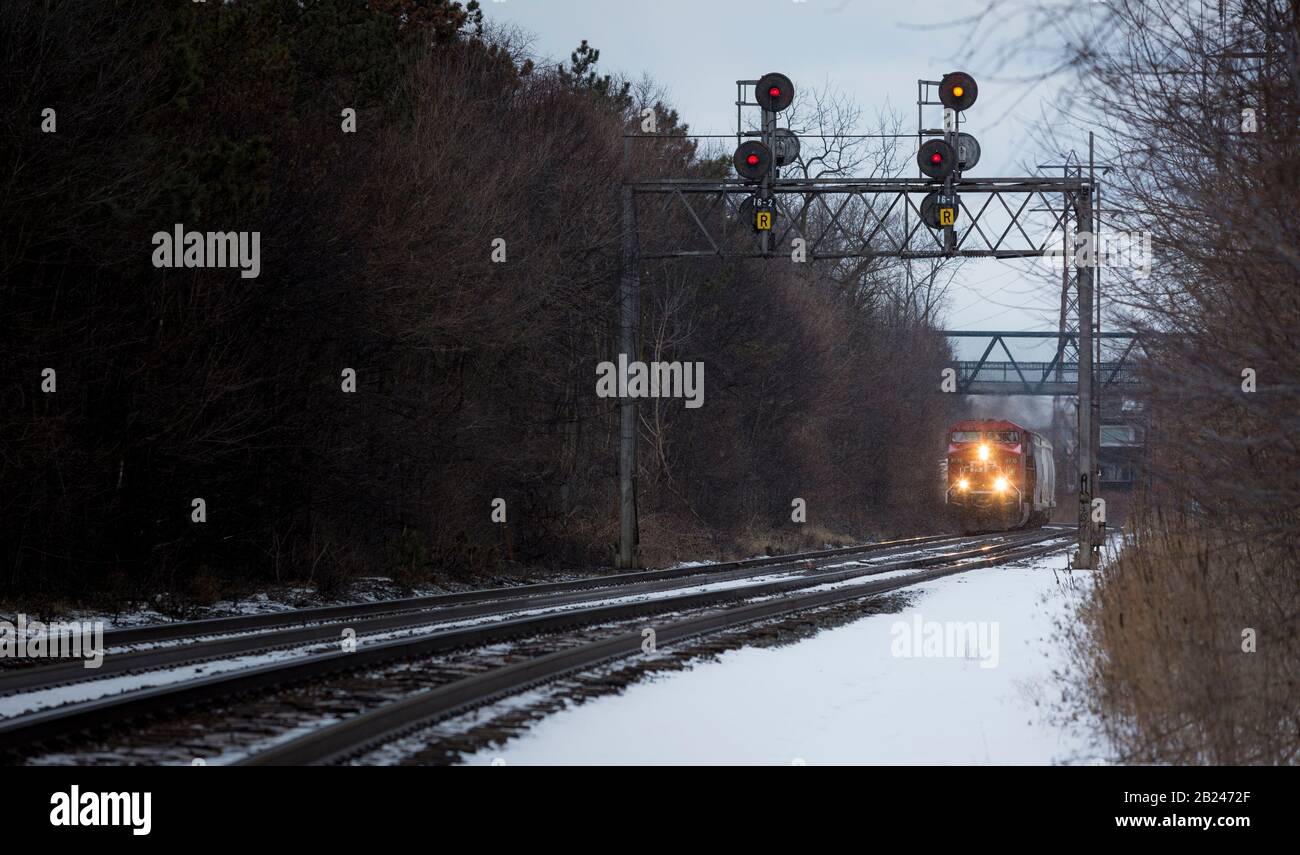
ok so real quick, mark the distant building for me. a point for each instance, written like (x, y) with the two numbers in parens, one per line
(1123, 436)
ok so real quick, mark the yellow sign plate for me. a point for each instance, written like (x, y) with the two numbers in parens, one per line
(763, 221)
(947, 216)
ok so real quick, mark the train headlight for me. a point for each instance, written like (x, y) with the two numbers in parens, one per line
(963, 484)
(984, 452)
(1000, 484)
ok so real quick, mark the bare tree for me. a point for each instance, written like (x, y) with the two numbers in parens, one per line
(1198, 106)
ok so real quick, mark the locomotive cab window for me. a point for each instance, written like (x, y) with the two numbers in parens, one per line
(965, 436)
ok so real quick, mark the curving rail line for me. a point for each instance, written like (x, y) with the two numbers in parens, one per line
(353, 736)
(302, 627)
(21, 733)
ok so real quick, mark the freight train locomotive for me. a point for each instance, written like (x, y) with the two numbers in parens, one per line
(999, 476)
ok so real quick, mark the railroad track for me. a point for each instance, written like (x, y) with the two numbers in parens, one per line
(202, 641)
(480, 678)
(354, 736)
(184, 630)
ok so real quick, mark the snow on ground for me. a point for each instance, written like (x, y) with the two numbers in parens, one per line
(842, 696)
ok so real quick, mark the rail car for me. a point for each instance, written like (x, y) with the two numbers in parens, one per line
(999, 475)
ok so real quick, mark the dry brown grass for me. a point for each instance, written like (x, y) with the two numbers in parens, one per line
(665, 541)
(1210, 551)
(802, 538)
(1159, 648)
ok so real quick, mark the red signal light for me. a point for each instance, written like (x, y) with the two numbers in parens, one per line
(936, 159)
(752, 160)
(774, 92)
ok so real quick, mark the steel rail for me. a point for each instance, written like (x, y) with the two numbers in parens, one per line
(353, 736)
(137, 661)
(21, 732)
(241, 623)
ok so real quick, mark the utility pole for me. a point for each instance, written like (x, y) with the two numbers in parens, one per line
(629, 301)
(1094, 228)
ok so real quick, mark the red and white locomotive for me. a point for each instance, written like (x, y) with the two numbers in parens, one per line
(999, 476)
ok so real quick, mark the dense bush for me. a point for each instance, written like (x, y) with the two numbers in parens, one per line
(474, 379)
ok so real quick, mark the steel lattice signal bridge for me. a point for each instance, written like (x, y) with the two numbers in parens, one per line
(864, 218)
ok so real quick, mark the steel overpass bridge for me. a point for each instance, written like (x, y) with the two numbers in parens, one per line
(999, 371)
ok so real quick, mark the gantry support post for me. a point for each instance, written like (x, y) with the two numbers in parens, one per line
(1083, 560)
(629, 301)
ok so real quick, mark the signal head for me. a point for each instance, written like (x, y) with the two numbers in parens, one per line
(933, 208)
(958, 90)
(786, 146)
(774, 92)
(752, 160)
(968, 151)
(936, 159)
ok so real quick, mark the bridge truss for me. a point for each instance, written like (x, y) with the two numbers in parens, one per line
(852, 218)
(992, 375)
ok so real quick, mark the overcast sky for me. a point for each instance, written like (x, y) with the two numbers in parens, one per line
(874, 50)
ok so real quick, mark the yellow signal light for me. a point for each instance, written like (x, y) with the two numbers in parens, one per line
(958, 91)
